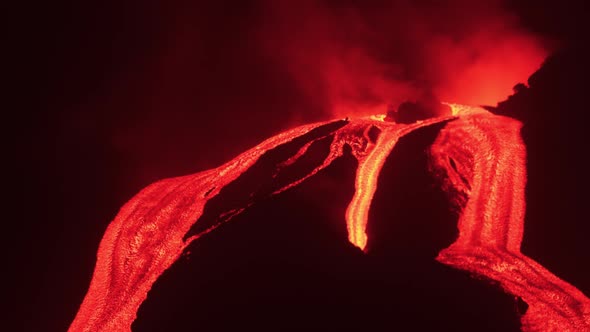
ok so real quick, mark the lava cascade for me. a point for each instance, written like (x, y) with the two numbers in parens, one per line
(482, 157)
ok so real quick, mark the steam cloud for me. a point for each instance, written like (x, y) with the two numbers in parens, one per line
(271, 65)
(357, 58)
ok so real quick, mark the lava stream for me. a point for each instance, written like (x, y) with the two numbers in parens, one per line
(492, 220)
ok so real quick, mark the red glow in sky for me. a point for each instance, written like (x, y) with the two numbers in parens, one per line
(491, 74)
(356, 61)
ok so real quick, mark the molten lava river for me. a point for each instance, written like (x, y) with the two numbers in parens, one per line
(481, 155)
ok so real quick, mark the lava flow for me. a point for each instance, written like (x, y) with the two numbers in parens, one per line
(481, 154)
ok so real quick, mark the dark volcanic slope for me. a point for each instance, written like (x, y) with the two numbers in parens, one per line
(286, 263)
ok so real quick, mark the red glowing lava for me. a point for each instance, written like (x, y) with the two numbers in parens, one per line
(481, 153)
(489, 168)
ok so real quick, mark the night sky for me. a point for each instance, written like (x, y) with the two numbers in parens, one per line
(116, 95)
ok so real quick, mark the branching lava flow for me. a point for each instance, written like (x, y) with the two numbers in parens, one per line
(481, 154)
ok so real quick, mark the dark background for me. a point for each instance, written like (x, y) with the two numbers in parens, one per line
(114, 96)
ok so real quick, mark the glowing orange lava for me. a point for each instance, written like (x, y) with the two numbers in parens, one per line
(370, 165)
(481, 153)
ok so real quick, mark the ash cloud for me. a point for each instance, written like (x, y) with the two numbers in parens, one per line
(357, 58)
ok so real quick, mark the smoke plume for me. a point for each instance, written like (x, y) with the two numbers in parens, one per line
(356, 58)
